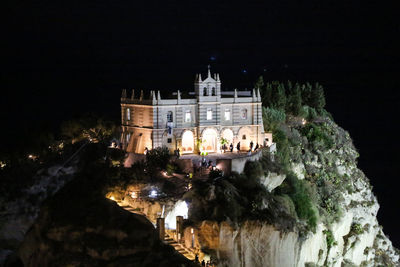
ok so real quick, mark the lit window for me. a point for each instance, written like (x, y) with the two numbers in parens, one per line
(128, 136)
(244, 114)
(227, 114)
(170, 116)
(187, 116)
(209, 114)
(128, 114)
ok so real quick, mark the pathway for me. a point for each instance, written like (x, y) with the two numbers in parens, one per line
(188, 253)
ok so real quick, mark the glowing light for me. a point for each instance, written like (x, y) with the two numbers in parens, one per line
(2, 164)
(303, 121)
(32, 157)
(192, 231)
(153, 193)
(112, 198)
(134, 195)
(180, 209)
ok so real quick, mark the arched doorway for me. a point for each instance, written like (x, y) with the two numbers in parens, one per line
(187, 142)
(210, 140)
(228, 135)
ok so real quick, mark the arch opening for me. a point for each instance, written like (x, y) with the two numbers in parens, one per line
(209, 140)
(187, 142)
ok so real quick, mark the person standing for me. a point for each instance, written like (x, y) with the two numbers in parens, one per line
(257, 146)
(238, 147)
(231, 147)
(251, 145)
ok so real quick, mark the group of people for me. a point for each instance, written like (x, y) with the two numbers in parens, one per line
(203, 262)
(238, 146)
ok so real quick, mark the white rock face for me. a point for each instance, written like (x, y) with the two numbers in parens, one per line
(272, 180)
(299, 170)
(358, 239)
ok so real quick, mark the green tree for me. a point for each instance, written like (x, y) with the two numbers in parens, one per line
(266, 95)
(306, 90)
(278, 96)
(259, 83)
(317, 100)
(157, 158)
(294, 100)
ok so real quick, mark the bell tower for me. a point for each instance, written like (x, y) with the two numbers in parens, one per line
(208, 89)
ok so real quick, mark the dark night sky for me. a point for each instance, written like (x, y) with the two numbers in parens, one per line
(62, 59)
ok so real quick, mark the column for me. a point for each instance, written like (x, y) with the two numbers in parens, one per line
(161, 228)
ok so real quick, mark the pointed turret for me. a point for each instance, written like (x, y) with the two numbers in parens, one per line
(133, 94)
(254, 94)
(199, 78)
(123, 95)
(258, 94)
(158, 95)
(154, 95)
(209, 72)
(141, 95)
(218, 80)
(179, 95)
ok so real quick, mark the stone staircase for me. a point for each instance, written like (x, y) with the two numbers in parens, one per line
(189, 254)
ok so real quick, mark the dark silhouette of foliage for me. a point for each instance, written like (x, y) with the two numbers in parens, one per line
(157, 158)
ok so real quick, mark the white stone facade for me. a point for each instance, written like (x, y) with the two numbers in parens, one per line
(192, 124)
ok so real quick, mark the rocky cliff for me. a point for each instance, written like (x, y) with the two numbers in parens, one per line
(340, 227)
(78, 227)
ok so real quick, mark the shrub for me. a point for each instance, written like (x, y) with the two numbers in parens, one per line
(316, 134)
(253, 169)
(330, 240)
(357, 228)
(157, 158)
(272, 118)
(300, 193)
(282, 143)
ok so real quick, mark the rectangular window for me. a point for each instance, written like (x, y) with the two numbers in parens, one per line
(170, 116)
(188, 116)
(227, 114)
(128, 114)
(169, 140)
(209, 114)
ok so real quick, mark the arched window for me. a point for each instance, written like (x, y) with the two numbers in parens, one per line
(205, 91)
(170, 116)
(244, 114)
(213, 91)
(128, 114)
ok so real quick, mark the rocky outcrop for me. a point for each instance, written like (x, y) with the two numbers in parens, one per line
(18, 215)
(272, 180)
(76, 228)
(347, 232)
